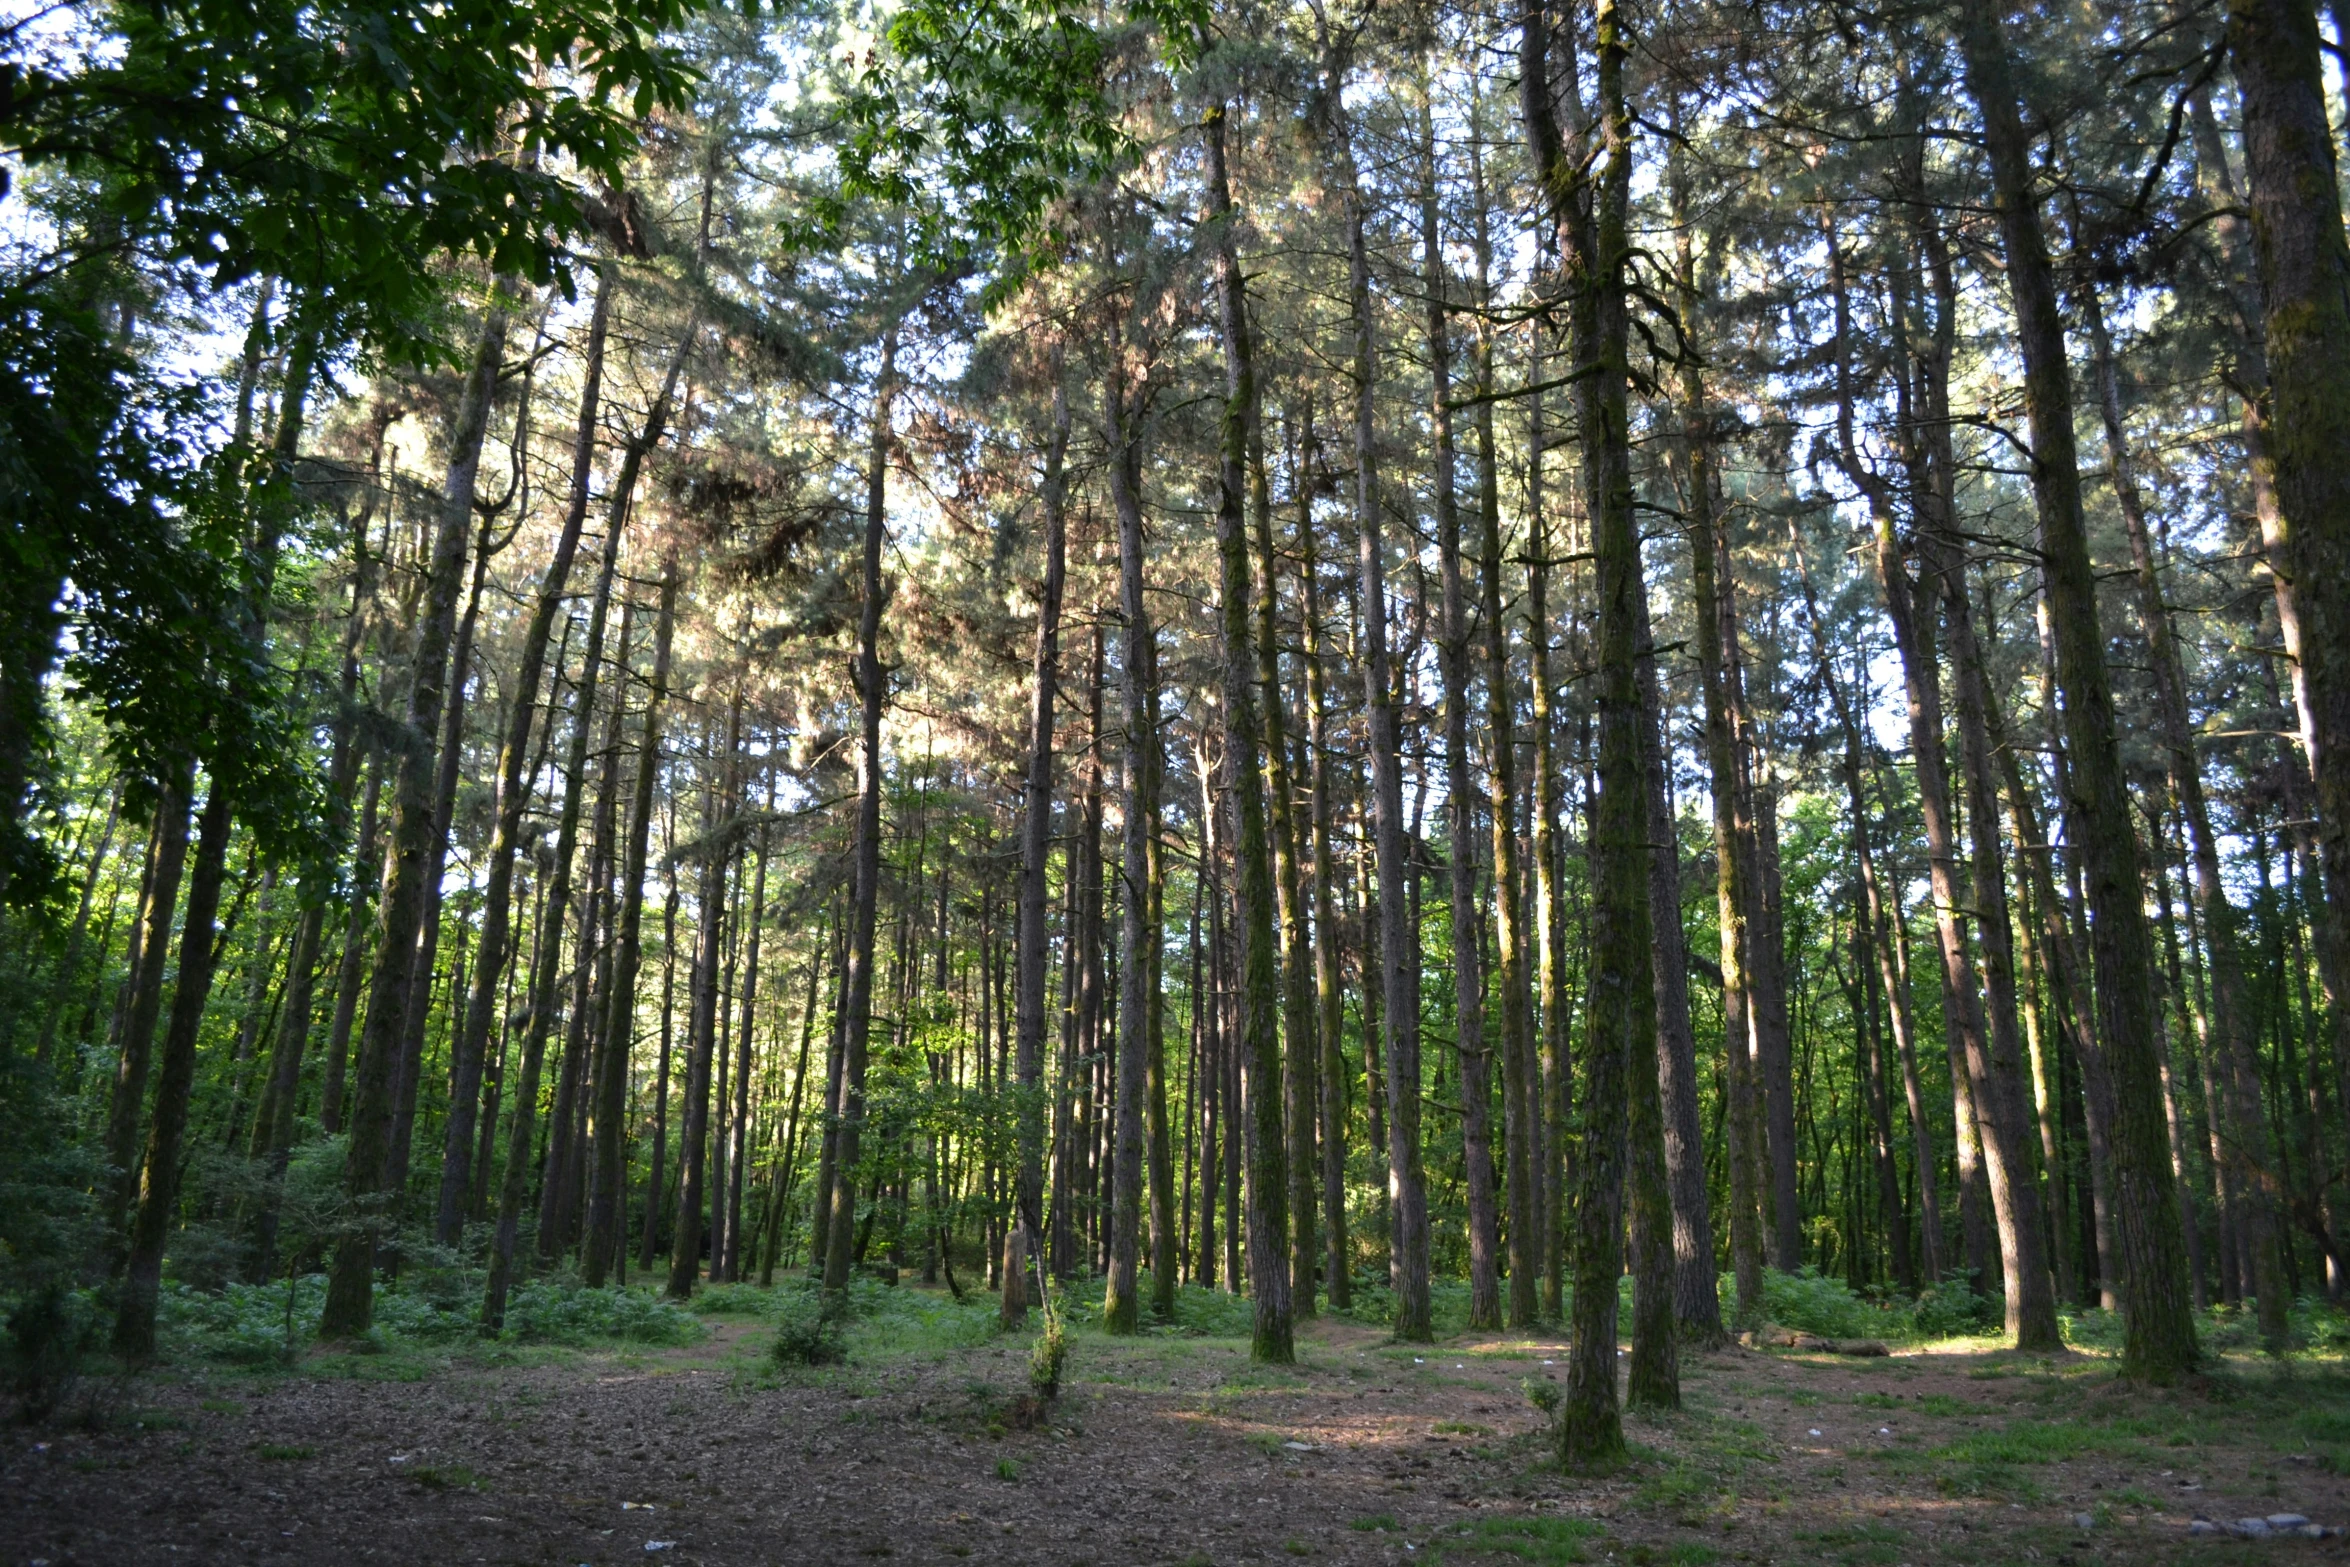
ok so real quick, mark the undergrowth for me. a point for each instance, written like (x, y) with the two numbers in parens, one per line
(272, 1324)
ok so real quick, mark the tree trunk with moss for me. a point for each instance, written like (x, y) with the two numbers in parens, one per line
(1453, 656)
(1260, 1001)
(2159, 1329)
(1589, 198)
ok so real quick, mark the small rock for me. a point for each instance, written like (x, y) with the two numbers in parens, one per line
(2314, 1531)
(2203, 1526)
(2250, 1529)
(660, 1545)
(2284, 1521)
(2084, 1520)
(1814, 1431)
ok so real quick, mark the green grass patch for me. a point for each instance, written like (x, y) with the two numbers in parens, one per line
(1859, 1545)
(1545, 1541)
(445, 1477)
(2036, 1442)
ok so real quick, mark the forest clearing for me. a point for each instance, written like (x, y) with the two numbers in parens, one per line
(1172, 1449)
(1174, 780)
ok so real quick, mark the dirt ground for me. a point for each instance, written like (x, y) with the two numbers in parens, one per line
(1174, 1450)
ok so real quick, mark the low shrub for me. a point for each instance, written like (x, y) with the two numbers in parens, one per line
(1954, 1307)
(552, 1312)
(807, 1329)
(50, 1331)
(1048, 1355)
(1810, 1303)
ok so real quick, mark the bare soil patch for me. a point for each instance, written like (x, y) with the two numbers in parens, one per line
(1173, 1450)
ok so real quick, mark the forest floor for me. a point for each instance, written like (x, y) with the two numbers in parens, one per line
(1168, 1449)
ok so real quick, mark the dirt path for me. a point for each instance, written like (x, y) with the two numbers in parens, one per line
(1173, 1450)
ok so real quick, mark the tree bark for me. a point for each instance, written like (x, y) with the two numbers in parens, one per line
(350, 1299)
(607, 1194)
(1398, 976)
(1588, 200)
(693, 1143)
(1453, 655)
(1022, 1235)
(1301, 1053)
(167, 861)
(1329, 1001)
(2159, 1330)
(200, 942)
(739, 1153)
(547, 965)
(1697, 1301)
(1520, 1070)
(1260, 1003)
(513, 791)
(872, 683)
(1121, 1304)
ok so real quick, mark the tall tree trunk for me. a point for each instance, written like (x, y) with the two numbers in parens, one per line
(1301, 1053)
(513, 791)
(2159, 1330)
(159, 1170)
(1329, 1002)
(1697, 1300)
(1468, 959)
(1022, 1236)
(1519, 1068)
(740, 1152)
(1121, 1304)
(872, 683)
(167, 861)
(1589, 204)
(273, 1127)
(1398, 976)
(1996, 1077)
(200, 943)
(1259, 1034)
(1716, 622)
(2249, 1153)
(1160, 1151)
(648, 1241)
(547, 964)
(607, 1194)
(693, 1143)
(2290, 174)
(561, 1183)
(1715, 617)
(350, 1298)
(409, 1079)
(1549, 892)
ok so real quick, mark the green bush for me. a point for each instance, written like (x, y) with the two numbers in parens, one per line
(807, 1330)
(265, 1324)
(1049, 1354)
(241, 1324)
(1952, 1308)
(1809, 1303)
(548, 1312)
(50, 1330)
(49, 1222)
(1212, 1313)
